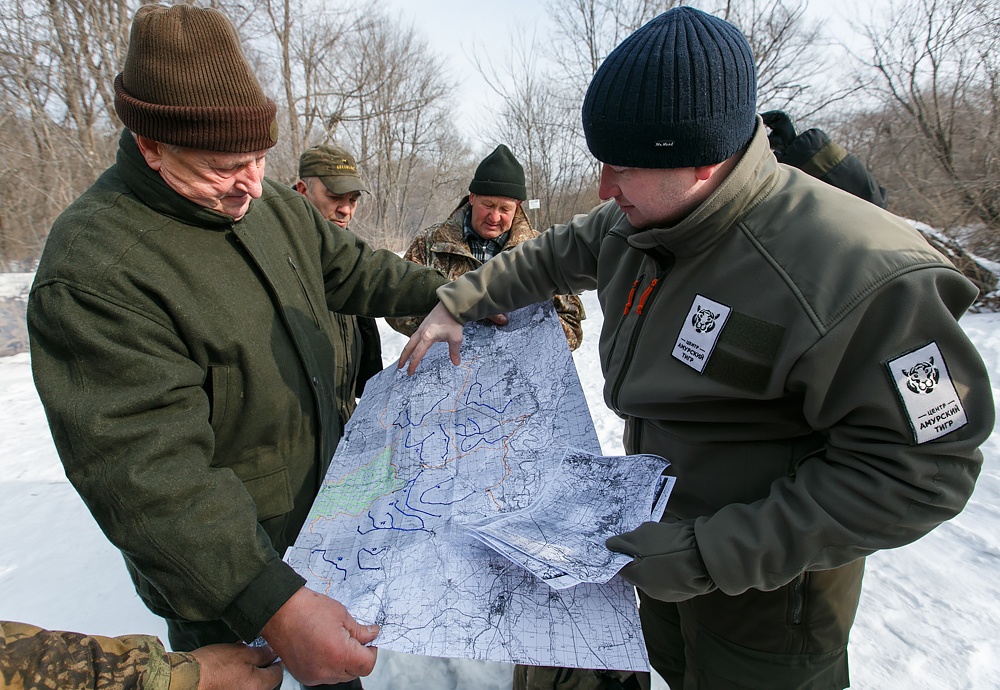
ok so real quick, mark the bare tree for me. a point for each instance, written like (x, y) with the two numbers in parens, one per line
(358, 78)
(531, 118)
(395, 116)
(938, 83)
(88, 43)
(587, 30)
(355, 75)
(298, 44)
(57, 65)
(795, 56)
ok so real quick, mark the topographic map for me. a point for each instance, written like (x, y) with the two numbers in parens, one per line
(424, 457)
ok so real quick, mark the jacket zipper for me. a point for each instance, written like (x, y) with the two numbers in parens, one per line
(628, 306)
(665, 265)
(645, 295)
(631, 293)
(798, 595)
(305, 294)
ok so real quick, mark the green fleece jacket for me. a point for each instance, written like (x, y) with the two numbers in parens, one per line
(792, 350)
(185, 362)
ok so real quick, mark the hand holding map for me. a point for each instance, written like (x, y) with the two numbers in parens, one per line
(427, 454)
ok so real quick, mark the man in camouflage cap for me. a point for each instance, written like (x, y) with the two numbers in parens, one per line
(328, 178)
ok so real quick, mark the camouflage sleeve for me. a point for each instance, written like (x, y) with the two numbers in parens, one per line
(407, 325)
(418, 254)
(31, 657)
(571, 314)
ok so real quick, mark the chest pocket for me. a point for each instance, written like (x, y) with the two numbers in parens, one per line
(745, 353)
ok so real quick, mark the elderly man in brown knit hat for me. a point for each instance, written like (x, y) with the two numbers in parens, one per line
(759, 332)
(183, 351)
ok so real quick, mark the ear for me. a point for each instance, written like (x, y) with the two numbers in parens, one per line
(151, 150)
(301, 188)
(705, 172)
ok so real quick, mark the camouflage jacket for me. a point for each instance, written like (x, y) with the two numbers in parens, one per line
(443, 247)
(31, 657)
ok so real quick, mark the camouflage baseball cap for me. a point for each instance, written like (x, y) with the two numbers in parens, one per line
(334, 165)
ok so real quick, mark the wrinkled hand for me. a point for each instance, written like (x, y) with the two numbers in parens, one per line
(667, 563)
(782, 130)
(232, 666)
(438, 326)
(318, 640)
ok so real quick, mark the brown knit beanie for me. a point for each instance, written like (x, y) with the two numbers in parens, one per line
(186, 82)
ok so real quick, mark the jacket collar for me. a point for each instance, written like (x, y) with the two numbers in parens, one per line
(753, 177)
(154, 192)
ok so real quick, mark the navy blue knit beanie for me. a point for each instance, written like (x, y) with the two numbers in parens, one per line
(680, 92)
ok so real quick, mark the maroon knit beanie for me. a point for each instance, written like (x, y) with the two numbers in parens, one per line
(186, 82)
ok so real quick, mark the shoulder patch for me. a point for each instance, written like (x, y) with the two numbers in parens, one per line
(700, 332)
(929, 398)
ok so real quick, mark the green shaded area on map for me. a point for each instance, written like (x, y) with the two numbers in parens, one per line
(356, 491)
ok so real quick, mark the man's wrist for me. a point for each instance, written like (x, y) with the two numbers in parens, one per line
(261, 599)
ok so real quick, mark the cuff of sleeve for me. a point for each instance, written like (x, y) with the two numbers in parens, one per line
(261, 599)
(451, 298)
(723, 566)
(185, 671)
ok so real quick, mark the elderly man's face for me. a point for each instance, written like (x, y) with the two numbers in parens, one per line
(336, 208)
(223, 182)
(492, 216)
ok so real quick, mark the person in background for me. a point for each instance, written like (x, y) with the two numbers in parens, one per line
(183, 351)
(486, 222)
(792, 350)
(328, 178)
(815, 153)
(32, 657)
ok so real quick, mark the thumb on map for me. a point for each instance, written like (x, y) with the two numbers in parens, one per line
(365, 634)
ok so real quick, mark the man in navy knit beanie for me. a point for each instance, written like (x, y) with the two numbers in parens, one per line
(759, 334)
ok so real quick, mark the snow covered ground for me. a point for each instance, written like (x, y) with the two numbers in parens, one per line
(930, 612)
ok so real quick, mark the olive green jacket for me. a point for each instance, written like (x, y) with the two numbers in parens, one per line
(789, 430)
(185, 362)
(31, 657)
(359, 357)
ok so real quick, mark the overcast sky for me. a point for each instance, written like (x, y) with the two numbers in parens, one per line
(459, 30)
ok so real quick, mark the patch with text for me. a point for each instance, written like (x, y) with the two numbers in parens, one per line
(929, 398)
(702, 327)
